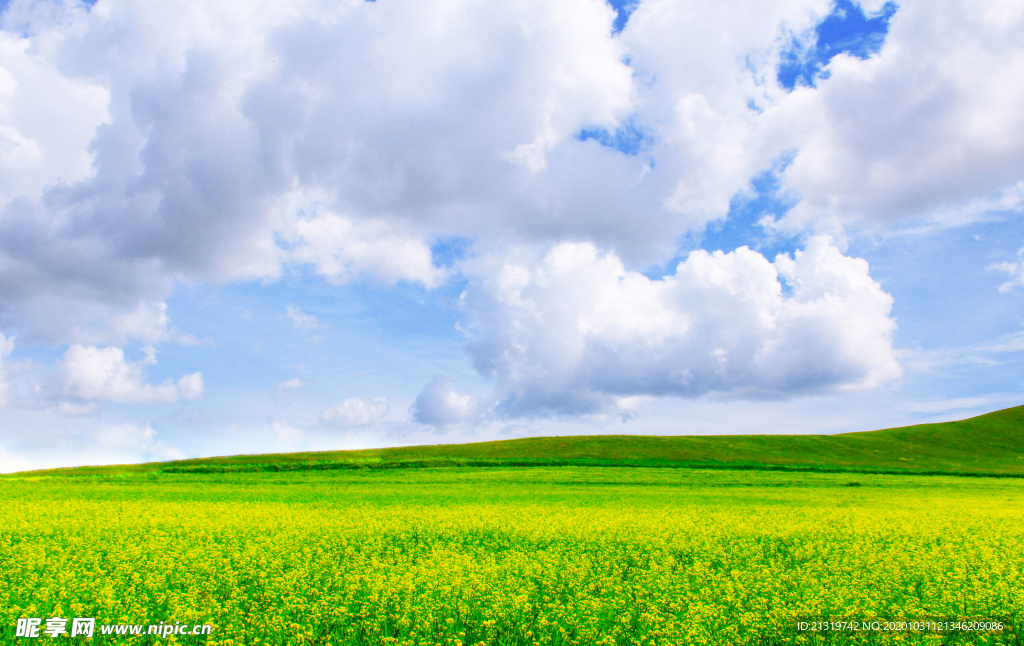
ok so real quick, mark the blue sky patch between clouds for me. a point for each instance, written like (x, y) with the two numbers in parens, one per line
(747, 210)
(627, 138)
(846, 30)
(447, 250)
(623, 9)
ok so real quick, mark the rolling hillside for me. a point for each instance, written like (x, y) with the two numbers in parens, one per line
(990, 444)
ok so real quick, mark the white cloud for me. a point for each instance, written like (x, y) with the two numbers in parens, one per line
(913, 132)
(148, 323)
(704, 63)
(291, 384)
(88, 373)
(47, 118)
(1014, 269)
(577, 330)
(928, 127)
(340, 247)
(349, 136)
(355, 412)
(148, 145)
(440, 404)
(300, 320)
(190, 387)
(404, 129)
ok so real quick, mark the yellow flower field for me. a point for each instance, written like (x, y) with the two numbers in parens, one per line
(514, 556)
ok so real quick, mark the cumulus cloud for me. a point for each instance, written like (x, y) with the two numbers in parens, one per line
(340, 248)
(47, 119)
(148, 323)
(355, 412)
(141, 146)
(92, 374)
(916, 130)
(440, 404)
(186, 147)
(705, 64)
(146, 145)
(912, 131)
(572, 332)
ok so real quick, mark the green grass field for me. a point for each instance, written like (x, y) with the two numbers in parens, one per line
(991, 444)
(599, 545)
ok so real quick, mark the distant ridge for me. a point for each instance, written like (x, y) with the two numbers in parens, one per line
(987, 445)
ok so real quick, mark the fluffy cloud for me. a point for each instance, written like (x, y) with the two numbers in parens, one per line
(143, 146)
(919, 129)
(87, 373)
(705, 64)
(355, 412)
(221, 141)
(340, 248)
(912, 131)
(575, 331)
(47, 120)
(148, 323)
(440, 404)
(210, 118)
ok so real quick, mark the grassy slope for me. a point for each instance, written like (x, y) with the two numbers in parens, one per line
(987, 444)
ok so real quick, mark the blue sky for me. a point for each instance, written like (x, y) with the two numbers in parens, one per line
(230, 228)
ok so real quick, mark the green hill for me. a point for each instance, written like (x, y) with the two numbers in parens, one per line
(991, 444)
